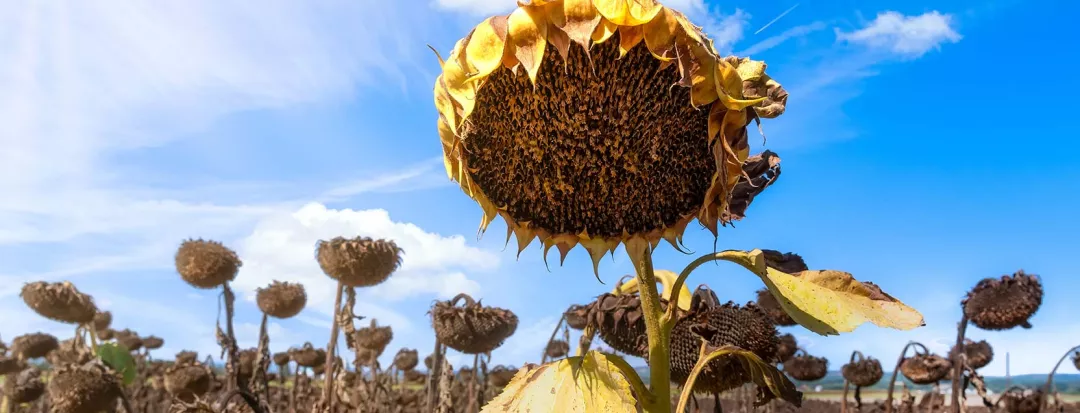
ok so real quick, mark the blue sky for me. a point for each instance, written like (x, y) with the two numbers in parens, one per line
(925, 146)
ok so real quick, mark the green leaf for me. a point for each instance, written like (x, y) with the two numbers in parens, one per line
(118, 358)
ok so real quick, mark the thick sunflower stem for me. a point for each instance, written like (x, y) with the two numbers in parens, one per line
(658, 335)
(328, 377)
(93, 337)
(959, 358)
(843, 400)
(232, 364)
(892, 381)
(1050, 379)
(472, 385)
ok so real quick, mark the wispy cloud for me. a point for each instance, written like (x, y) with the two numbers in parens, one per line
(773, 41)
(777, 18)
(905, 36)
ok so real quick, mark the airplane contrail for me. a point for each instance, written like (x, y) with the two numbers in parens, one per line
(777, 18)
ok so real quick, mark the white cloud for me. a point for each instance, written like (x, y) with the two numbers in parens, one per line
(907, 36)
(528, 342)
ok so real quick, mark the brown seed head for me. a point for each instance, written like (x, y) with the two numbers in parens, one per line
(1019, 401)
(501, 375)
(24, 387)
(106, 334)
(206, 264)
(102, 320)
(35, 345)
(187, 381)
(978, 353)
(776, 313)
(246, 362)
(59, 301)
(281, 299)
(308, 356)
(557, 349)
(1005, 303)
(863, 373)
(415, 376)
(11, 364)
(360, 261)
(282, 358)
(577, 316)
(620, 323)
(131, 342)
(406, 359)
(428, 361)
(152, 342)
(805, 367)
(788, 262)
(471, 328)
(374, 337)
(70, 351)
(187, 357)
(787, 348)
(925, 368)
(745, 327)
(83, 389)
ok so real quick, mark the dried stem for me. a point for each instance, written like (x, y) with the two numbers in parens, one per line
(959, 359)
(658, 334)
(543, 359)
(328, 377)
(892, 382)
(1050, 378)
(433, 375)
(471, 406)
(231, 365)
(261, 385)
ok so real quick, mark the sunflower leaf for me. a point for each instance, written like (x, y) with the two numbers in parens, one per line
(118, 358)
(590, 383)
(830, 302)
(771, 383)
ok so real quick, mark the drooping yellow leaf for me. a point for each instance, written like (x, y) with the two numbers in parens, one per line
(590, 383)
(667, 280)
(830, 302)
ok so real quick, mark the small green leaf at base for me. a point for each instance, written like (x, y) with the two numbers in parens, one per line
(118, 358)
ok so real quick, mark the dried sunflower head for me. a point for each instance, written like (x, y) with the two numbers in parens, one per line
(102, 320)
(428, 360)
(24, 387)
(132, 342)
(620, 322)
(186, 357)
(206, 264)
(804, 367)
(282, 358)
(11, 364)
(308, 356)
(501, 375)
(152, 342)
(187, 381)
(577, 316)
(34, 345)
(746, 327)
(978, 353)
(863, 372)
(776, 313)
(557, 349)
(88, 388)
(415, 376)
(70, 351)
(360, 261)
(925, 368)
(106, 334)
(562, 118)
(374, 337)
(471, 328)
(1017, 400)
(406, 359)
(1001, 304)
(281, 299)
(787, 347)
(59, 301)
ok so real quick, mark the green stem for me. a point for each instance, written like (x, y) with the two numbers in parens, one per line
(658, 335)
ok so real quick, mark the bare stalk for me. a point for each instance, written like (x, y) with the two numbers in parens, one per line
(1050, 379)
(472, 385)
(658, 335)
(892, 382)
(843, 401)
(328, 377)
(959, 359)
(230, 365)
(543, 359)
(434, 374)
(261, 384)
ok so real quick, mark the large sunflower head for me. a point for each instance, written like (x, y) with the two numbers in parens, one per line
(599, 122)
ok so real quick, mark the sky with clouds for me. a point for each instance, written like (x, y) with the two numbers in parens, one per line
(130, 126)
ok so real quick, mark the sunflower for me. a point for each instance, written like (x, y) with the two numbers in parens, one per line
(599, 123)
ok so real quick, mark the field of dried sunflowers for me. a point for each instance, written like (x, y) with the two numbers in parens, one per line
(542, 120)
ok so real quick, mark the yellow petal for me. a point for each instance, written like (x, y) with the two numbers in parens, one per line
(702, 75)
(449, 141)
(528, 33)
(590, 383)
(660, 35)
(628, 12)
(628, 38)
(729, 87)
(485, 48)
(444, 104)
(830, 302)
(579, 20)
(604, 30)
(750, 69)
(455, 76)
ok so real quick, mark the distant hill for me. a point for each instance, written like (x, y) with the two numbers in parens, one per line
(1065, 383)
